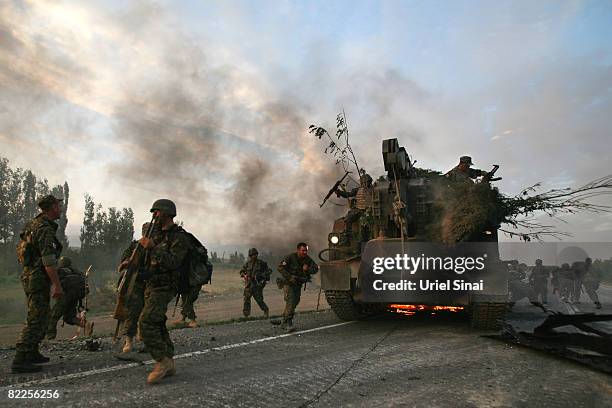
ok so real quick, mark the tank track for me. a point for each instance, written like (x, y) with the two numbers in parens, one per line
(488, 316)
(343, 305)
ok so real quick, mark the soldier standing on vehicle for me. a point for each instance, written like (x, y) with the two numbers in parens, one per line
(38, 252)
(362, 196)
(256, 274)
(136, 301)
(539, 282)
(75, 289)
(167, 254)
(463, 171)
(295, 269)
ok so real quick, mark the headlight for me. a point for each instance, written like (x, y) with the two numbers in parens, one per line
(334, 239)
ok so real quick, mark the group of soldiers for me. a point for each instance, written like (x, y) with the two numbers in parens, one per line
(46, 274)
(568, 282)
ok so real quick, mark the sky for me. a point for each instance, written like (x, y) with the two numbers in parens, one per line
(208, 102)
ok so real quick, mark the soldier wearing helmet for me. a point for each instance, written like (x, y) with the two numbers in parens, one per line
(256, 273)
(463, 171)
(166, 253)
(362, 202)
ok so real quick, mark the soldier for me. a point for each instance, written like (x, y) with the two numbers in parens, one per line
(463, 172)
(295, 270)
(255, 273)
(75, 289)
(362, 201)
(167, 253)
(136, 300)
(516, 286)
(566, 282)
(38, 252)
(187, 310)
(539, 282)
(591, 281)
(580, 270)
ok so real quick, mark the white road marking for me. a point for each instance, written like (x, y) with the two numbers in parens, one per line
(88, 373)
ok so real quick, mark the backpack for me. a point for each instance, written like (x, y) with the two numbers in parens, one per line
(196, 269)
(73, 283)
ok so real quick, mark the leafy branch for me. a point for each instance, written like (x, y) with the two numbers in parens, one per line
(338, 146)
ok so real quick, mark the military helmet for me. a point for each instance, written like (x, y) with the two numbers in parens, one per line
(164, 205)
(538, 262)
(253, 251)
(65, 262)
(565, 266)
(588, 260)
(466, 160)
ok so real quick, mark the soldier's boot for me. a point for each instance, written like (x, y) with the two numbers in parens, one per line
(160, 370)
(598, 305)
(172, 370)
(35, 357)
(128, 344)
(289, 326)
(246, 313)
(266, 313)
(193, 323)
(22, 364)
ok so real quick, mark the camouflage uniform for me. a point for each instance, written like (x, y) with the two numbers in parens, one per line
(187, 301)
(362, 202)
(294, 277)
(256, 274)
(67, 305)
(136, 301)
(457, 174)
(36, 282)
(166, 258)
(539, 283)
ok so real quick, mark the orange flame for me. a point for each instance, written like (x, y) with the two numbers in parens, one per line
(412, 309)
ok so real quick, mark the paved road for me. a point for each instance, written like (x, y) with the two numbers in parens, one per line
(391, 361)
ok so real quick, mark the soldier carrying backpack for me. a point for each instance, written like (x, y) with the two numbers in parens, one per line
(75, 289)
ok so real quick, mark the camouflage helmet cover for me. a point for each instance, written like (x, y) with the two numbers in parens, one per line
(65, 262)
(538, 262)
(47, 202)
(253, 251)
(164, 205)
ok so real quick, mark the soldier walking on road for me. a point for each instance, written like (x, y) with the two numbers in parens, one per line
(167, 254)
(75, 289)
(580, 270)
(539, 282)
(566, 282)
(256, 274)
(136, 301)
(591, 281)
(38, 252)
(295, 269)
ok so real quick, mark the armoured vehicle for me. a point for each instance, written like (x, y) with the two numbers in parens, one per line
(401, 210)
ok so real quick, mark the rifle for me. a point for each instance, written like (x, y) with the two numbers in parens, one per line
(126, 284)
(489, 176)
(334, 188)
